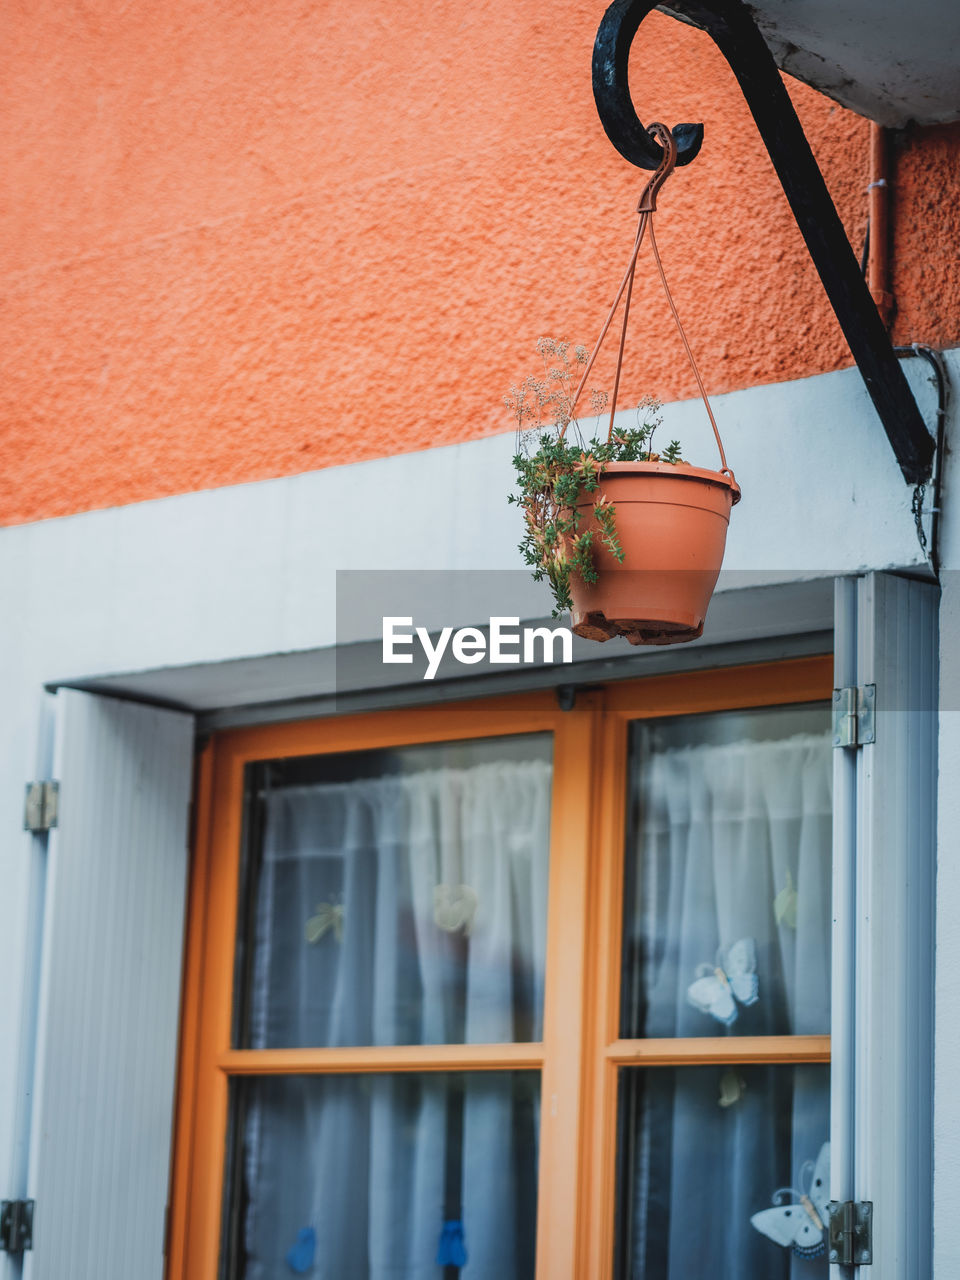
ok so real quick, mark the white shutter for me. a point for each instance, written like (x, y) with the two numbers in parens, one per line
(883, 1031)
(110, 988)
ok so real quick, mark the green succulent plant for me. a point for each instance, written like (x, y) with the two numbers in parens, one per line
(555, 464)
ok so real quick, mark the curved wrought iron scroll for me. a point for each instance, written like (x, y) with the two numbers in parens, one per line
(735, 33)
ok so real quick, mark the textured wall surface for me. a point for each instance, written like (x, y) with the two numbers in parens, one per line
(246, 241)
(926, 235)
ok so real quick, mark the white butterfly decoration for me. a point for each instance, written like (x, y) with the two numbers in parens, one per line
(802, 1223)
(329, 919)
(733, 975)
(732, 1087)
(454, 906)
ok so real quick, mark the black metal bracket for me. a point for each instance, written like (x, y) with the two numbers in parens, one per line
(733, 30)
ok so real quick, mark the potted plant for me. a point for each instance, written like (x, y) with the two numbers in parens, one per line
(630, 539)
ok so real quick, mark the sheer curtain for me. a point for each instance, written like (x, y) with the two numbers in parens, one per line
(428, 892)
(730, 842)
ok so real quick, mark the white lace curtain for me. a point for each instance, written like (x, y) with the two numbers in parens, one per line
(428, 893)
(731, 842)
(364, 1171)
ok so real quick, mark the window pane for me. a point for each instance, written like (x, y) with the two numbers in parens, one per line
(376, 1177)
(728, 877)
(723, 1174)
(397, 897)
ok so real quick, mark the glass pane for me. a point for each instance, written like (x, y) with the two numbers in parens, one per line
(723, 1173)
(384, 1177)
(397, 897)
(728, 875)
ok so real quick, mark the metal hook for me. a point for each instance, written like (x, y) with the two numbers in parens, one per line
(611, 52)
(668, 143)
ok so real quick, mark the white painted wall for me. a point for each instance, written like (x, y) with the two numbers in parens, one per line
(845, 50)
(249, 571)
(946, 1116)
(946, 1119)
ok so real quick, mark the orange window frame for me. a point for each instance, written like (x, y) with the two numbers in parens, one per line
(581, 1051)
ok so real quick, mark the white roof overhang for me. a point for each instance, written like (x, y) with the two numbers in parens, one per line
(882, 59)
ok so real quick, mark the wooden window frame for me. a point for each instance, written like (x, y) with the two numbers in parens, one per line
(581, 1052)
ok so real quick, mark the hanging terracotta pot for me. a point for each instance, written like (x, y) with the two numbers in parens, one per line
(672, 525)
(668, 518)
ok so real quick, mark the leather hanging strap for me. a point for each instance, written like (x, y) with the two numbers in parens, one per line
(646, 208)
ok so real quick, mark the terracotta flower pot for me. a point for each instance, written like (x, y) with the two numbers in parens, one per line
(672, 525)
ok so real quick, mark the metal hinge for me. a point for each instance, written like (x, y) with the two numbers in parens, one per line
(851, 1232)
(16, 1225)
(854, 716)
(40, 806)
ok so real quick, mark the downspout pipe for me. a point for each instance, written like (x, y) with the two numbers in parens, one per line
(878, 212)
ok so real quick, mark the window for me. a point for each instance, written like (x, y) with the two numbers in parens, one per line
(543, 989)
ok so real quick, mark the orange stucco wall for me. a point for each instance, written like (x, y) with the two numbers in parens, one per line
(244, 241)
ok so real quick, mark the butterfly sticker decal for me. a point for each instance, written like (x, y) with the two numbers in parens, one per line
(733, 977)
(328, 919)
(732, 1087)
(785, 904)
(802, 1223)
(301, 1257)
(454, 906)
(452, 1246)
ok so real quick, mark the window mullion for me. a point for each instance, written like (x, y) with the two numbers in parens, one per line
(709, 1049)
(515, 1056)
(605, 934)
(568, 983)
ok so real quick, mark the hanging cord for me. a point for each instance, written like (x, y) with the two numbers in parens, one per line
(686, 346)
(645, 221)
(625, 282)
(646, 207)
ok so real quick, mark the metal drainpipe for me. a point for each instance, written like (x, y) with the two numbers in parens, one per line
(878, 206)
